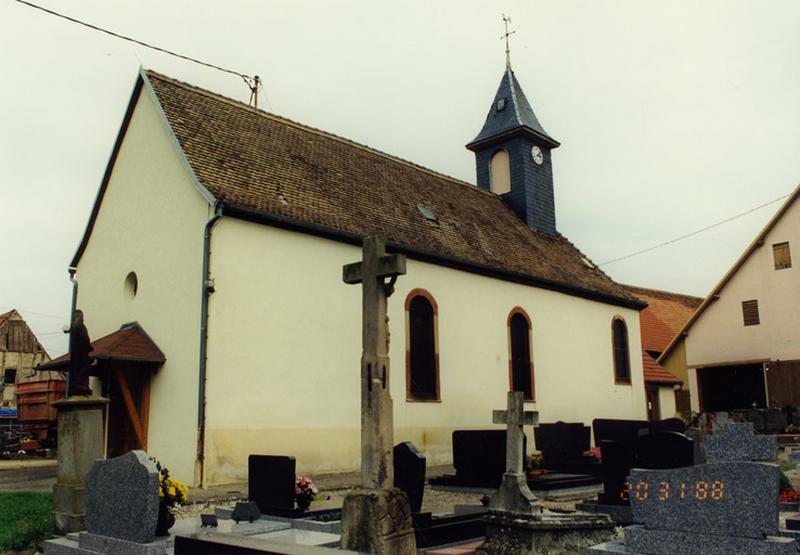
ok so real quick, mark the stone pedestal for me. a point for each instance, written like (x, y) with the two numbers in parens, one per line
(378, 521)
(80, 443)
(546, 533)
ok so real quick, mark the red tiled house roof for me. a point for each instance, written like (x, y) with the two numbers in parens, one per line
(665, 315)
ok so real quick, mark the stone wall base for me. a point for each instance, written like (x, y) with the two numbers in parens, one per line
(378, 521)
(546, 534)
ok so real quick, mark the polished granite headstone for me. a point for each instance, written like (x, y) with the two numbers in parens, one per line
(409, 473)
(737, 442)
(728, 499)
(270, 484)
(121, 510)
(122, 498)
(708, 509)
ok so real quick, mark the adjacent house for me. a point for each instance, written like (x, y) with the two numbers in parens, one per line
(742, 345)
(210, 276)
(664, 317)
(20, 352)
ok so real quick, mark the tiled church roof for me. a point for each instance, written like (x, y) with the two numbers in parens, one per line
(665, 315)
(271, 169)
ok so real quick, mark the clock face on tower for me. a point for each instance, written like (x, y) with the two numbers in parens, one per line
(537, 154)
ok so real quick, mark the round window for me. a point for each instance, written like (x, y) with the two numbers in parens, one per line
(131, 285)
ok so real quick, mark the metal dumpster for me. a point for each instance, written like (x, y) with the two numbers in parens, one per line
(35, 413)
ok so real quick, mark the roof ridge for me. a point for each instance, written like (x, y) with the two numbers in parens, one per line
(664, 291)
(282, 119)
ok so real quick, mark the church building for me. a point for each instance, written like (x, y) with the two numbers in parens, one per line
(210, 276)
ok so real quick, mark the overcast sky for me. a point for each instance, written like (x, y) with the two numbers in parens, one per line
(672, 115)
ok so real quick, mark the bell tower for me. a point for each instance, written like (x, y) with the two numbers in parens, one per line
(513, 156)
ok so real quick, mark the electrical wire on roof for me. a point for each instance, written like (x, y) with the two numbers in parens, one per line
(701, 230)
(252, 82)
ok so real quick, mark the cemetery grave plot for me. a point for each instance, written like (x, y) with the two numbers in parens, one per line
(708, 509)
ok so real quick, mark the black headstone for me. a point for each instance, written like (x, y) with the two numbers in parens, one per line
(668, 425)
(271, 481)
(618, 459)
(479, 457)
(409, 473)
(562, 440)
(665, 450)
(653, 451)
(610, 429)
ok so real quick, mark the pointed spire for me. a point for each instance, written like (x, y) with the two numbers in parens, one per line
(511, 112)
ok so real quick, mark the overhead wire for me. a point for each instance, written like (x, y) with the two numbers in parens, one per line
(253, 82)
(693, 233)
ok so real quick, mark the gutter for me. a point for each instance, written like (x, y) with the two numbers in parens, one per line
(207, 289)
(285, 222)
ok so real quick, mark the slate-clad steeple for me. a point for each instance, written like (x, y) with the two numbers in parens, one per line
(512, 127)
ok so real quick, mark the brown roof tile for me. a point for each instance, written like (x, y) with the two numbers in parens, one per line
(655, 373)
(130, 343)
(665, 315)
(271, 166)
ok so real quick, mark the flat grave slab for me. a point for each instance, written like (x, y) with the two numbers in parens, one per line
(294, 536)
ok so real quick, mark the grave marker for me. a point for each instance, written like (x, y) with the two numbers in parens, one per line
(736, 441)
(122, 498)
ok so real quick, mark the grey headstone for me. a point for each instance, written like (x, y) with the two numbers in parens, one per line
(737, 499)
(671, 542)
(122, 498)
(794, 456)
(737, 442)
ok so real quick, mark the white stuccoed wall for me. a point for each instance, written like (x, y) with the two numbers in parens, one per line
(151, 222)
(719, 335)
(286, 342)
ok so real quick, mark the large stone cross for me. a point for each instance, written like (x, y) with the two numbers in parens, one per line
(376, 402)
(514, 495)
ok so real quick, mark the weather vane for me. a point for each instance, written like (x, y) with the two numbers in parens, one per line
(506, 21)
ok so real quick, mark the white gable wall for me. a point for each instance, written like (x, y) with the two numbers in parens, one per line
(285, 346)
(720, 336)
(151, 222)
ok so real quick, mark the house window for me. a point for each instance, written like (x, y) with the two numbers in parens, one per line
(10, 376)
(782, 255)
(622, 359)
(750, 313)
(520, 365)
(500, 172)
(422, 358)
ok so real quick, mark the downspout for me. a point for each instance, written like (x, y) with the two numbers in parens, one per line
(72, 270)
(208, 288)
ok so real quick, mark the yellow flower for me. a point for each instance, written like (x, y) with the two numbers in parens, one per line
(171, 491)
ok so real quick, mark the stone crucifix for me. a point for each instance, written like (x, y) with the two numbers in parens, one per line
(514, 494)
(377, 470)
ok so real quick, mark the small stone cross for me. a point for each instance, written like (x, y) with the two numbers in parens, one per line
(377, 470)
(514, 496)
(515, 417)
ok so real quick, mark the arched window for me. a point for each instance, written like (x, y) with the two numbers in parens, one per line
(622, 358)
(500, 172)
(520, 363)
(422, 357)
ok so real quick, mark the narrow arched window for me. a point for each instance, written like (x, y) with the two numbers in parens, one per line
(500, 172)
(622, 359)
(422, 358)
(520, 364)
